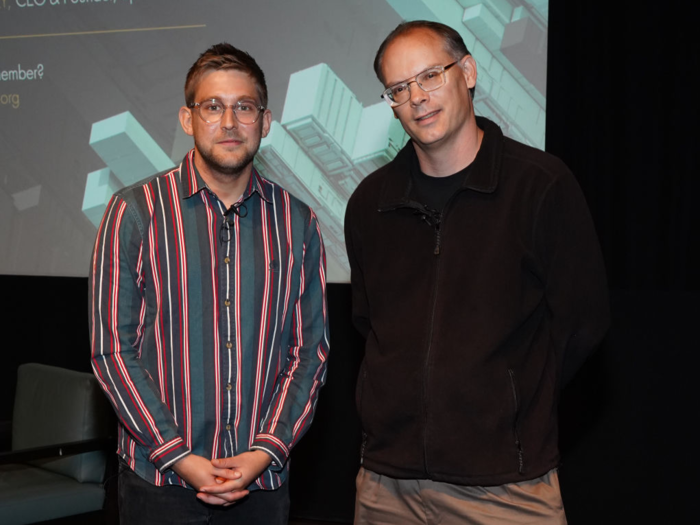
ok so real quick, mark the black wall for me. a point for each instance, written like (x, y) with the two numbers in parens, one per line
(622, 112)
(626, 435)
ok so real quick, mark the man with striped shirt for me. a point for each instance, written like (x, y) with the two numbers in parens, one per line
(208, 316)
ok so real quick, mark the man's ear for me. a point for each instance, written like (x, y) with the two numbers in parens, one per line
(185, 116)
(468, 65)
(266, 122)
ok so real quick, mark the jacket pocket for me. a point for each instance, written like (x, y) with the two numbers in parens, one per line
(516, 421)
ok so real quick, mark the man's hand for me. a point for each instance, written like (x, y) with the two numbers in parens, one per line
(198, 472)
(247, 466)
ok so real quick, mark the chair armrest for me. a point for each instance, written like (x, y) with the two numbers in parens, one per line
(58, 450)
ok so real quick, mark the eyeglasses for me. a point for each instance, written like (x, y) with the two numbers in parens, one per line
(428, 80)
(212, 110)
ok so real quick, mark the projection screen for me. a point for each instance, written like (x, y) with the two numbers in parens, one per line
(90, 91)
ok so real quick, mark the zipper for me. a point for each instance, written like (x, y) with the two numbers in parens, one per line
(516, 433)
(427, 363)
(433, 219)
(436, 251)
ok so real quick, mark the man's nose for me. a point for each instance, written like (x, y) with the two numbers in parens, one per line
(228, 119)
(418, 96)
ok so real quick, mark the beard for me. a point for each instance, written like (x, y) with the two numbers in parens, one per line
(227, 165)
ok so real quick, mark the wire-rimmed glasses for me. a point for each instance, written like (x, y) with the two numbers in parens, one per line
(428, 80)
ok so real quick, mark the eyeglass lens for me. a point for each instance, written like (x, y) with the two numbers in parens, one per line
(427, 80)
(212, 111)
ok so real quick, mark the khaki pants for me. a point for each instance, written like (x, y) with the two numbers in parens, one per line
(382, 500)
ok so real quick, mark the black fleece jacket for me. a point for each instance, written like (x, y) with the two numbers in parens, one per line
(472, 317)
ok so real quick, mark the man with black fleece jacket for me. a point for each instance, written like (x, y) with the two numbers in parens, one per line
(478, 283)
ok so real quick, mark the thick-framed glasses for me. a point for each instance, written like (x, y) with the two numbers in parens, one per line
(212, 110)
(428, 80)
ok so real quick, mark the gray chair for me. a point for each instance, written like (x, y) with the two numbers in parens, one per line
(57, 413)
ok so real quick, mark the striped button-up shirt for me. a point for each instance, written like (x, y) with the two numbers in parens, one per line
(209, 331)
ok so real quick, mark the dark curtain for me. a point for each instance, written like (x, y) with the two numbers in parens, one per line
(622, 112)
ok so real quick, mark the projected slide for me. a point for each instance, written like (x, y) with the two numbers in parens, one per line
(90, 90)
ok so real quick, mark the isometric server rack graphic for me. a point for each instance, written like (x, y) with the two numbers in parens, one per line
(326, 141)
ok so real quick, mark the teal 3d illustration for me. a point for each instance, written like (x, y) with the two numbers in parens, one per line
(327, 141)
(324, 146)
(130, 155)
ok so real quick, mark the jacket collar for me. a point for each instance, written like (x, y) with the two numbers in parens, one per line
(192, 182)
(483, 175)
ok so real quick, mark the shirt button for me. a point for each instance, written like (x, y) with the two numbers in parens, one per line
(228, 427)
(227, 260)
(229, 344)
(229, 387)
(227, 302)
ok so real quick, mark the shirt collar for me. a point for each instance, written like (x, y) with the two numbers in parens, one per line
(192, 182)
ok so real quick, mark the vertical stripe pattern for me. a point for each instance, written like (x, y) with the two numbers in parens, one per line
(208, 332)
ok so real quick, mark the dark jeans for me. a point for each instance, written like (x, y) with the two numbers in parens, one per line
(143, 503)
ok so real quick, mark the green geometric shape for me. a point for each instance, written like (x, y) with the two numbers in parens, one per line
(99, 188)
(127, 148)
(380, 136)
(435, 10)
(502, 9)
(413, 10)
(485, 25)
(323, 115)
(308, 180)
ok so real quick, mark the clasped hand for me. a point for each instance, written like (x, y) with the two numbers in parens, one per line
(222, 481)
